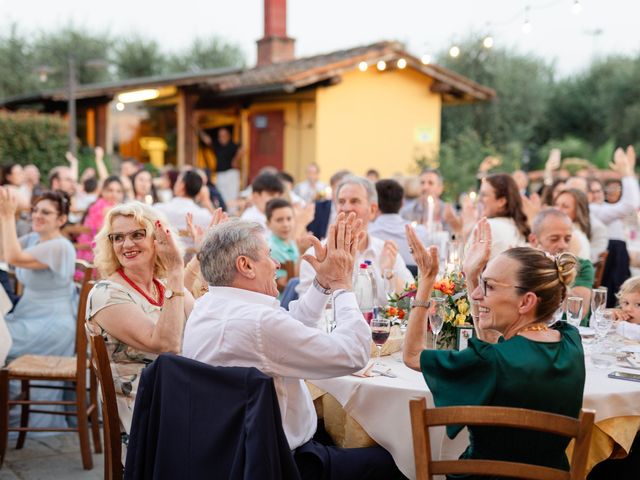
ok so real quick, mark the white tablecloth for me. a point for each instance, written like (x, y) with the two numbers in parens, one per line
(381, 406)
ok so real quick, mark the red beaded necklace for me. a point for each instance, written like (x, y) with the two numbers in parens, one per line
(158, 285)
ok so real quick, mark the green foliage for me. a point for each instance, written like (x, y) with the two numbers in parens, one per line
(139, 57)
(29, 138)
(15, 64)
(205, 53)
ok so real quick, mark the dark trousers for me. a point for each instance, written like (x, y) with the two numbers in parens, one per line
(318, 459)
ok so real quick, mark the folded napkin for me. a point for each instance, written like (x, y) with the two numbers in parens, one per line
(374, 370)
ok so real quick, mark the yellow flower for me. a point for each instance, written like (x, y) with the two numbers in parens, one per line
(450, 316)
(460, 319)
(463, 306)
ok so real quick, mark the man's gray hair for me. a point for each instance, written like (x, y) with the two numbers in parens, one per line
(223, 245)
(372, 193)
(538, 222)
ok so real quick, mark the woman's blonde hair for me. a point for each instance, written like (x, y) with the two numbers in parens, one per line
(630, 285)
(105, 258)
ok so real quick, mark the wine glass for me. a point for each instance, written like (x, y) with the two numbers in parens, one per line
(574, 310)
(380, 330)
(604, 321)
(598, 301)
(436, 318)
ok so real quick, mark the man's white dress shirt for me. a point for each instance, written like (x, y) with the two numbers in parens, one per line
(176, 211)
(372, 252)
(253, 214)
(240, 328)
(390, 226)
(308, 191)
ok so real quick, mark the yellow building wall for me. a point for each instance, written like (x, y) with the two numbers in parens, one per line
(381, 120)
(299, 134)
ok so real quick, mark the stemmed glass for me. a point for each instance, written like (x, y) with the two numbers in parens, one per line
(598, 302)
(380, 330)
(436, 318)
(574, 311)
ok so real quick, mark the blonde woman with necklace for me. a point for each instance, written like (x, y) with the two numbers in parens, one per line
(141, 306)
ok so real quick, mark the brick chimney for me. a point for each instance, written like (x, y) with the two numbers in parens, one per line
(275, 46)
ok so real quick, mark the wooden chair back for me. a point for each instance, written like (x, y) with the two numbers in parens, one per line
(599, 268)
(422, 418)
(111, 422)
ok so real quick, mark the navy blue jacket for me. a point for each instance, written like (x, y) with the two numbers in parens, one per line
(193, 421)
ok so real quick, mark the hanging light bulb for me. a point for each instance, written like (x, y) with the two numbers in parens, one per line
(362, 66)
(454, 51)
(381, 65)
(402, 63)
(487, 42)
(425, 59)
(577, 7)
(526, 26)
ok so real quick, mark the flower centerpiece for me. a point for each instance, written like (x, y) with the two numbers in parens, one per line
(451, 287)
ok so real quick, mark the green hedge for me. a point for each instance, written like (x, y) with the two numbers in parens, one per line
(33, 138)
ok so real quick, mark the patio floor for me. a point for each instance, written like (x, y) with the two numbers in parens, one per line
(55, 456)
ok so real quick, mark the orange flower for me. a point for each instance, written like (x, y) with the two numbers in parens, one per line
(400, 313)
(392, 311)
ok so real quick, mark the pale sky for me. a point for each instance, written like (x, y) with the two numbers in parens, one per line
(425, 26)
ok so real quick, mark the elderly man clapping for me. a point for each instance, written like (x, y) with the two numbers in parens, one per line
(239, 322)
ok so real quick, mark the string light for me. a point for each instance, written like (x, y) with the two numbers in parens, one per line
(362, 66)
(381, 65)
(402, 63)
(426, 59)
(577, 7)
(487, 42)
(454, 51)
(120, 106)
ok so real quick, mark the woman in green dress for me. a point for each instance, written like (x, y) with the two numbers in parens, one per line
(517, 360)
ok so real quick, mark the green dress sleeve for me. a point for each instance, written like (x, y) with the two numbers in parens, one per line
(466, 377)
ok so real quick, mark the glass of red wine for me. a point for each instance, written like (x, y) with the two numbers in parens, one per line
(380, 329)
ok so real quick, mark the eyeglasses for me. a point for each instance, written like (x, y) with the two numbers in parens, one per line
(135, 236)
(42, 211)
(487, 287)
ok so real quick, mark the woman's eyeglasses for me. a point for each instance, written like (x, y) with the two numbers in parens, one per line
(135, 236)
(488, 287)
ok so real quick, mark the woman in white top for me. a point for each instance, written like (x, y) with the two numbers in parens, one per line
(502, 205)
(574, 203)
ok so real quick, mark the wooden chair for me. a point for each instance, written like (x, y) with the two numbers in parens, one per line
(422, 418)
(599, 267)
(29, 368)
(111, 423)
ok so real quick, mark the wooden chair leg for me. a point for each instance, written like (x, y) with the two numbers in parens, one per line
(4, 413)
(94, 417)
(83, 426)
(24, 413)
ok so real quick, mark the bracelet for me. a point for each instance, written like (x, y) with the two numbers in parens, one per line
(388, 277)
(421, 303)
(320, 288)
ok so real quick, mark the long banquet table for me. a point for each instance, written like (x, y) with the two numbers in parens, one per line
(380, 406)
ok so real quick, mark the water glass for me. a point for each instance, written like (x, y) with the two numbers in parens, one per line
(603, 323)
(436, 317)
(598, 302)
(574, 310)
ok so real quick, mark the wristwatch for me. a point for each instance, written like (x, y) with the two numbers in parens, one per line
(169, 294)
(421, 303)
(320, 288)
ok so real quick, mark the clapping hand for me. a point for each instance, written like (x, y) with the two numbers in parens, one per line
(196, 231)
(8, 202)
(624, 162)
(167, 249)
(426, 259)
(479, 251)
(388, 255)
(333, 263)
